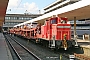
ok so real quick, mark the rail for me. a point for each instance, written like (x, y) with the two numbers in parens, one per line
(19, 58)
(25, 49)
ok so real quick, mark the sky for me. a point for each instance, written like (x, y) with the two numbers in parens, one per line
(27, 6)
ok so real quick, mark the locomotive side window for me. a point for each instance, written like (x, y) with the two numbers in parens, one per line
(53, 21)
(63, 21)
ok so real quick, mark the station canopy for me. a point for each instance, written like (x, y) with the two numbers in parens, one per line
(80, 10)
(3, 8)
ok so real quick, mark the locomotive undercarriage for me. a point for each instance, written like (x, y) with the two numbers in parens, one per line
(58, 43)
(53, 44)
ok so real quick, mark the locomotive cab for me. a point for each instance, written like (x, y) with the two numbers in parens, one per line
(62, 34)
(58, 32)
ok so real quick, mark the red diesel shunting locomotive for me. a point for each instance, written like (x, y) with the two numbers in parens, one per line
(56, 33)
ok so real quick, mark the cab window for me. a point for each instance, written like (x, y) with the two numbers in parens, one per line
(53, 21)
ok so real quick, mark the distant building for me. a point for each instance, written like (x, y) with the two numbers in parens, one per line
(14, 19)
(82, 27)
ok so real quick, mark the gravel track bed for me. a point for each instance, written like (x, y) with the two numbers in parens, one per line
(46, 53)
(41, 51)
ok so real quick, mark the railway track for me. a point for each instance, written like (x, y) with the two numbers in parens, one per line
(43, 52)
(21, 51)
(54, 55)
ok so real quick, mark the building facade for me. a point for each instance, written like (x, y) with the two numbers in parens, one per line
(14, 19)
(58, 4)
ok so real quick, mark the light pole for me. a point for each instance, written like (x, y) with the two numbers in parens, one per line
(75, 35)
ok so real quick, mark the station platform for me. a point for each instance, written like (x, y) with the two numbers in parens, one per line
(84, 43)
(4, 50)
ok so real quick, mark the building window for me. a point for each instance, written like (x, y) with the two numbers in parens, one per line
(11, 18)
(8, 18)
(20, 18)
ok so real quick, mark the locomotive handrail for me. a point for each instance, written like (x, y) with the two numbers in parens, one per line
(64, 30)
(64, 42)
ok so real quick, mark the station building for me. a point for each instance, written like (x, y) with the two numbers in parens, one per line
(58, 4)
(14, 19)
